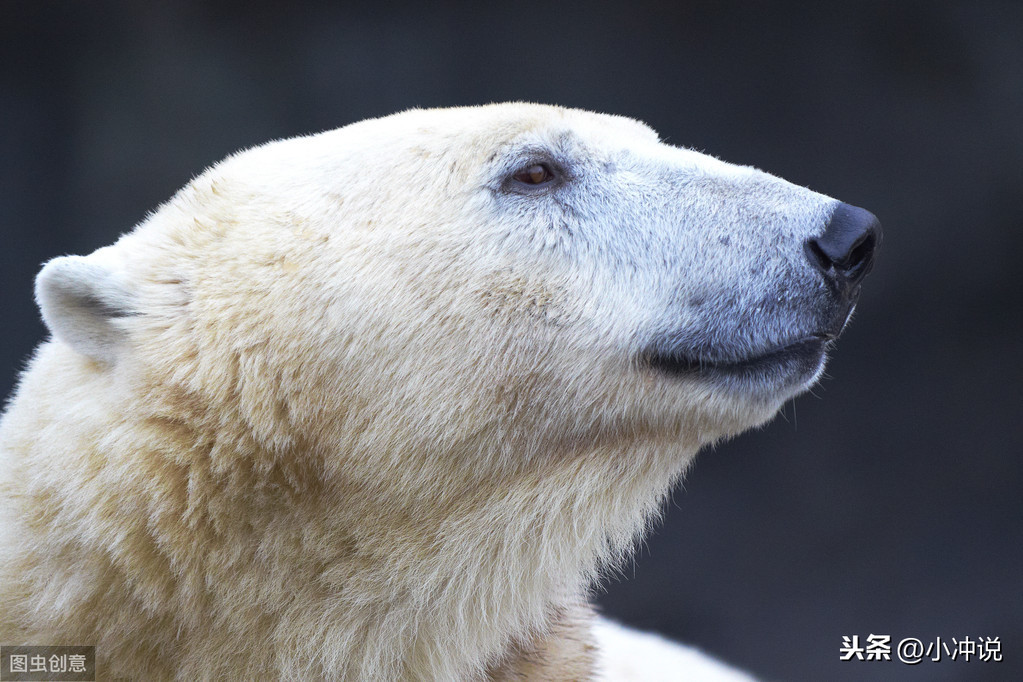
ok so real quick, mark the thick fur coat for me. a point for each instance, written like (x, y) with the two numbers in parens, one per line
(383, 402)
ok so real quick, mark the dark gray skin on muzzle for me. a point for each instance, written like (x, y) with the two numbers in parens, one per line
(815, 306)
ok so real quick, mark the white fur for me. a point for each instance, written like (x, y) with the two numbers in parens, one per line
(629, 655)
(365, 410)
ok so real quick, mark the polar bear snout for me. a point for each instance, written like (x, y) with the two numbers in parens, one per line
(844, 253)
(771, 338)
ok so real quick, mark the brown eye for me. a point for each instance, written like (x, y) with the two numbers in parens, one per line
(534, 175)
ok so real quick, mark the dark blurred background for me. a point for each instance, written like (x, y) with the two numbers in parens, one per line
(887, 503)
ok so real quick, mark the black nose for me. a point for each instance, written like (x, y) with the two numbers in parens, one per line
(845, 252)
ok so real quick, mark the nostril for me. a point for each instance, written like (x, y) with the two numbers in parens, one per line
(861, 257)
(816, 255)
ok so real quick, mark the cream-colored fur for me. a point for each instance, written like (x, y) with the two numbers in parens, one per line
(349, 406)
(627, 655)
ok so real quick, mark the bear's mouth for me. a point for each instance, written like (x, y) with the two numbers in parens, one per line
(794, 362)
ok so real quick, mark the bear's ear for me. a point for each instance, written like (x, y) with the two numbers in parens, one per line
(81, 300)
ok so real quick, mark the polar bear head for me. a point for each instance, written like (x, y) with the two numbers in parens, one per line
(514, 273)
(355, 389)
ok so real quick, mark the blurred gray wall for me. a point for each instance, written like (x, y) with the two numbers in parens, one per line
(888, 502)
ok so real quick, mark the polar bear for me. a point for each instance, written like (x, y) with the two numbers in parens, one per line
(384, 402)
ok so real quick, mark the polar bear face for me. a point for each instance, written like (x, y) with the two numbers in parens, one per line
(508, 278)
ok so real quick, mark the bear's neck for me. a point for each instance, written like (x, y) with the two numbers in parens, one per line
(446, 587)
(242, 566)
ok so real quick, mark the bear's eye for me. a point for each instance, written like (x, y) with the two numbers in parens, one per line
(536, 174)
